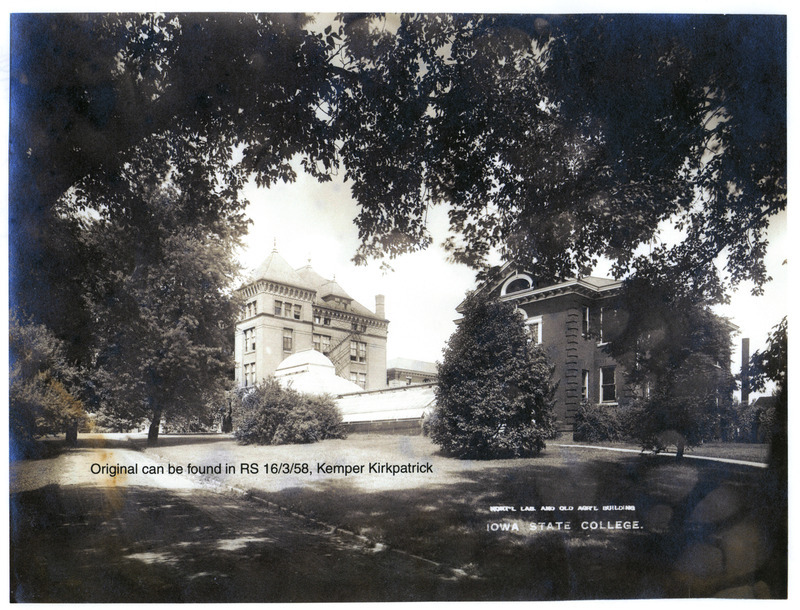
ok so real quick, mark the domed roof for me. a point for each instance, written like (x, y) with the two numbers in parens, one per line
(311, 372)
(306, 358)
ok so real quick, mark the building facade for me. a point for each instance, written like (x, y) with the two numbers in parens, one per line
(289, 310)
(572, 320)
(405, 371)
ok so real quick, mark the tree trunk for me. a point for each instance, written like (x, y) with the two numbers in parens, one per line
(680, 446)
(227, 422)
(72, 433)
(152, 433)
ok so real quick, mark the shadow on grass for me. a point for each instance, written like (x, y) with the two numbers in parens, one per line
(707, 530)
(137, 544)
(705, 527)
(177, 440)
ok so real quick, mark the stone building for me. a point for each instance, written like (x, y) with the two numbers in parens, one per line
(289, 310)
(405, 371)
(572, 319)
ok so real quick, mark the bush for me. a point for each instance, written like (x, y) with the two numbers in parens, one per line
(272, 415)
(43, 395)
(494, 397)
(755, 423)
(595, 423)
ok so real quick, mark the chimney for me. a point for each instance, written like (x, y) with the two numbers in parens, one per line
(380, 306)
(745, 371)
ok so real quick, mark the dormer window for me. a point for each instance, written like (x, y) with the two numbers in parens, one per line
(517, 283)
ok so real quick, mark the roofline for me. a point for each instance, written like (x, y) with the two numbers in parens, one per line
(389, 390)
(573, 285)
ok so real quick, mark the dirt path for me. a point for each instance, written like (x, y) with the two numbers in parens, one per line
(83, 537)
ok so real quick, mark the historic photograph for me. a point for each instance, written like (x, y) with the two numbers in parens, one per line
(397, 307)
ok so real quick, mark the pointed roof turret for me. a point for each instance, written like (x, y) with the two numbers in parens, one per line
(311, 277)
(276, 269)
(332, 289)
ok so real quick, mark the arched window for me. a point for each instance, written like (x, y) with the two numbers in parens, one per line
(517, 283)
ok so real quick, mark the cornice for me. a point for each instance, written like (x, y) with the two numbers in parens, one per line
(575, 286)
(274, 288)
(351, 316)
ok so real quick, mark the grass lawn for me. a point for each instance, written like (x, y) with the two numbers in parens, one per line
(748, 452)
(697, 528)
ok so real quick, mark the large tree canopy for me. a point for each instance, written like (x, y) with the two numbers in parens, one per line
(89, 91)
(556, 139)
(158, 291)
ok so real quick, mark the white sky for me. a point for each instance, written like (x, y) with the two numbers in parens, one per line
(309, 220)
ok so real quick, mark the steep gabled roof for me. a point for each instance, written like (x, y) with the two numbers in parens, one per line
(311, 277)
(327, 293)
(326, 289)
(276, 269)
(332, 289)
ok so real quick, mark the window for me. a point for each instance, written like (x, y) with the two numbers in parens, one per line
(287, 339)
(600, 328)
(517, 283)
(250, 340)
(317, 319)
(250, 309)
(534, 328)
(608, 388)
(358, 351)
(326, 321)
(322, 343)
(585, 322)
(249, 374)
(359, 378)
(288, 310)
(359, 328)
(585, 385)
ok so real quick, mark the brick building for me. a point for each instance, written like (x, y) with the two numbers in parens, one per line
(572, 319)
(289, 310)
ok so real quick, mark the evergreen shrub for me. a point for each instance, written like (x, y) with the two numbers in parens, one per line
(494, 397)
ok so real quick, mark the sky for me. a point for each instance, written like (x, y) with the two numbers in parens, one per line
(309, 221)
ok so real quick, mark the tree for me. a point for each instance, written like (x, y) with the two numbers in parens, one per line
(494, 396)
(561, 139)
(772, 364)
(677, 353)
(44, 388)
(158, 290)
(90, 90)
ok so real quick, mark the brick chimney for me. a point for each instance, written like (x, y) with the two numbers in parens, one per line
(380, 306)
(745, 371)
